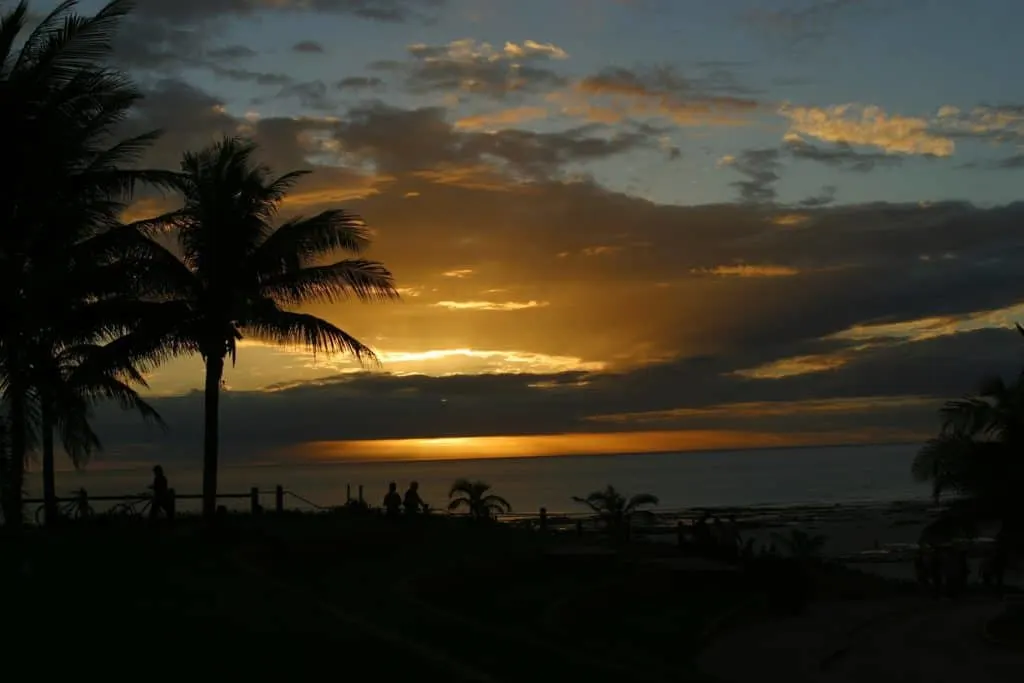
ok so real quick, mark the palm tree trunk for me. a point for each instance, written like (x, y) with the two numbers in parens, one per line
(214, 373)
(49, 476)
(14, 470)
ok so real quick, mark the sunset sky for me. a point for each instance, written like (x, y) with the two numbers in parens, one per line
(686, 223)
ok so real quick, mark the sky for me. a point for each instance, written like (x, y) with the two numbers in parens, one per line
(617, 225)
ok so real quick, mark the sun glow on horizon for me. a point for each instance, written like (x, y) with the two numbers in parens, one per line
(577, 443)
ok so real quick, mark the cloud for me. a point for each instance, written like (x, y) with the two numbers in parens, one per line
(890, 390)
(747, 270)
(869, 126)
(471, 67)
(308, 47)
(423, 141)
(490, 305)
(359, 83)
(193, 11)
(841, 155)
(760, 168)
(624, 298)
(502, 118)
(615, 94)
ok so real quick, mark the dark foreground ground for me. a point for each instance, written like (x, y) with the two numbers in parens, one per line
(304, 595)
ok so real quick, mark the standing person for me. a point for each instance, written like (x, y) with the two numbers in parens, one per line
(412, 502)
(392, 501)
(161, 494)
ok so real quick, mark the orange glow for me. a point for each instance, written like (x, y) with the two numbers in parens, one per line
(608, 443)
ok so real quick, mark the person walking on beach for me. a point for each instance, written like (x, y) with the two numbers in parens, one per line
(392, 501)
(161, 494)
(412, 502)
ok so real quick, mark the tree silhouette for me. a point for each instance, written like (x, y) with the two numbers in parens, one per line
(476, 498)
(65, 280)
(614, 507)
(237, 273)
(977, 457)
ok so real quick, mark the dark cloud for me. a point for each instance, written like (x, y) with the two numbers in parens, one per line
(760, 169)
(195, 11)
(840, 155)
(359, 83)
(308, 47)
(399, 140)
(892, 386)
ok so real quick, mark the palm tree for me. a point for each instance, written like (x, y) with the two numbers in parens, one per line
(614, 508)
(63, 281)
(82, 376)
(475, 496)
(237, 274)
(977, 457)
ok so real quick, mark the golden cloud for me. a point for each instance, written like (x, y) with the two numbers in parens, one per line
(747, 270)
(503, 117)
(490, 305)
(868, 126)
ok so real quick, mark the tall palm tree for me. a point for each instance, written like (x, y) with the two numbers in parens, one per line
(237, 274)
(60, 243)
(477, 499)
(614, 507)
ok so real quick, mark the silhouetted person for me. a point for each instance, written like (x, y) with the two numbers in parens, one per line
(733, 541)
(935, 571)
(161, 494)
(719, 538)
(412, 501)
(921, 571)
(392, 501)
(702, 533)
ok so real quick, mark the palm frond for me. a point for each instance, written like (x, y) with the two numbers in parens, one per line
(300, 242)
(304, 330)
(366, 280)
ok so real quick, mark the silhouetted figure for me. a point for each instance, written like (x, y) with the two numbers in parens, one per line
(161, 494)
(733, 542)
(935, 571)
(702, 533)
(719, 538)
(412, 501)
(921, 570)
(392, 501)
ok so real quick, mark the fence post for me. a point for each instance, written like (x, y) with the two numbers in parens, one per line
(360, 494)
(348, 493)
(254, 500)
(279, 498)
(171, 503)
(543, 520)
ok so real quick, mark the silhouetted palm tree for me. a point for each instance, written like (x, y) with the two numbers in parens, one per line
(237, 274)
(63, 281)
(614, 508)
(475, 496)
(82, 376)
(978, 456)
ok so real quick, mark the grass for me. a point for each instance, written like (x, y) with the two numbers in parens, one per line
(306, 592)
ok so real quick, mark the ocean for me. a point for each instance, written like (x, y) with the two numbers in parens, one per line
(786, 477)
